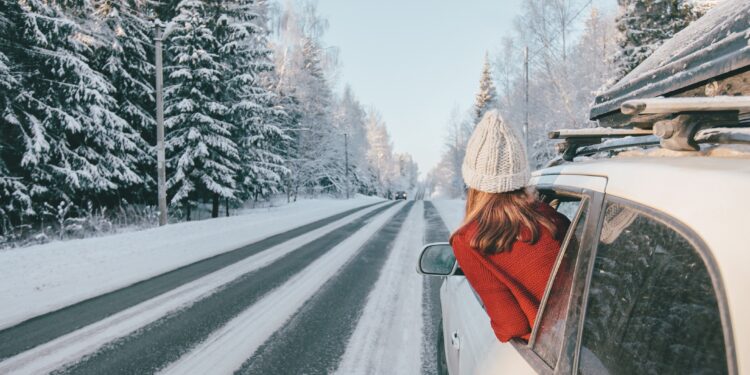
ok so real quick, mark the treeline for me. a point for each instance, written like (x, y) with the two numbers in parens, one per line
(250, 109)
(574, 51)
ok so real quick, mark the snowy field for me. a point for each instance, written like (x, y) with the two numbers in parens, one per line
(46, 277)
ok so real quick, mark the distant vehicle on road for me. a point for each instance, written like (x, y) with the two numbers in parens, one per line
(400, 195)
(651, 276)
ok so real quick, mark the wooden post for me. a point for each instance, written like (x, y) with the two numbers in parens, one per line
(160, 158)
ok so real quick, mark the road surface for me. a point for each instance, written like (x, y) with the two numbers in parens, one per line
(339, 295)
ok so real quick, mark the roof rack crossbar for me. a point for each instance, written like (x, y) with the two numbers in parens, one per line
(690, 104)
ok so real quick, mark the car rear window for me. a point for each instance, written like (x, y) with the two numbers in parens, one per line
(652, 307)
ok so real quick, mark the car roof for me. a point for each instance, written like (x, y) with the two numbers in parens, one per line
(710, 195)
(714, 45)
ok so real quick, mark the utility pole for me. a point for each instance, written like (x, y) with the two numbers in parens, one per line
(160, 158)
(526, 105)
(346, 162)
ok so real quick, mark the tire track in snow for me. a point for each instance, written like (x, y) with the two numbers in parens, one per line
(388, 336)
(47, 327)
(75, 345)
(164, 341)
(436, 231)
(314, 339)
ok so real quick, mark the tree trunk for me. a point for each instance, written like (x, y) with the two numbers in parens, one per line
(226, 204)
(215, 206)
(187, 209)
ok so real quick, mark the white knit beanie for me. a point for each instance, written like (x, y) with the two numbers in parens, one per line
(495, 160)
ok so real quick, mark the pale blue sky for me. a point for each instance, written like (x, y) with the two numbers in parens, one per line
(414, 60)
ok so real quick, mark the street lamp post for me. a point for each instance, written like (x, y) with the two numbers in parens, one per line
(160, 158)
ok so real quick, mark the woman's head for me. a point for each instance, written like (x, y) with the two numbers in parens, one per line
(504, 218)
(496, 171)
(495, 160)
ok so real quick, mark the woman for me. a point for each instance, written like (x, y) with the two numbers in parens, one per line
(509, 240)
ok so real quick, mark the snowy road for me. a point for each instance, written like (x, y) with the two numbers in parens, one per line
(338, 295)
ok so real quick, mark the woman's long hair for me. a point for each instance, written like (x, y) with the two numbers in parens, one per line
(504, 218)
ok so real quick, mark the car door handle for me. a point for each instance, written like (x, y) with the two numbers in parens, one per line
(455, 341)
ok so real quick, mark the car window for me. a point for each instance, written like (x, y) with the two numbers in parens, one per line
(651, 308)
(549, 336)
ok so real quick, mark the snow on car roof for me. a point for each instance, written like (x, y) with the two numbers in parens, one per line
(708, 195)
(715, 44)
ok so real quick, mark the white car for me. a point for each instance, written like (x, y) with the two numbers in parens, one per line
(651, 278)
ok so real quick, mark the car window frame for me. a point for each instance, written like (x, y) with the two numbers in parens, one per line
(583, 204)
(698, 245)
(566, 358)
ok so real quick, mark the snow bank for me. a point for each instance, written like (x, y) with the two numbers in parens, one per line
(47, 277)
(452, 211)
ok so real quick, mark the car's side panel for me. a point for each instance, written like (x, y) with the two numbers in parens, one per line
(450, 320)
(479, 350)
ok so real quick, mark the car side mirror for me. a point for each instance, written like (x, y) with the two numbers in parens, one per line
(437, 259)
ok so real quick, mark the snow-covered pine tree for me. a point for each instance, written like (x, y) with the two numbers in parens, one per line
(644, 25)
(244, 51)
(486, 98)
(69, 143)
(201, 155)
(125, 57)
(15, 202)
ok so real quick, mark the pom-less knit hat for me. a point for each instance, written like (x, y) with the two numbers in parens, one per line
(495, 160)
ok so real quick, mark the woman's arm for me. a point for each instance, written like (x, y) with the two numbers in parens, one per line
(507, 318)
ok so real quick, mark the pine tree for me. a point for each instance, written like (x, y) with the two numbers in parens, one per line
(125, 58)
(486, 98)
(201, 154)
(69, 142)
(15, 201)
(644, 25)
(244, 51)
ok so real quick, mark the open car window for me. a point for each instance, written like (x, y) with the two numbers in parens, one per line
(547, 338)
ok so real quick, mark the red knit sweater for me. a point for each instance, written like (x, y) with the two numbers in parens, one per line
(511, 283)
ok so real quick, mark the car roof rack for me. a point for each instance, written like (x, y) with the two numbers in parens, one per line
(677, 124)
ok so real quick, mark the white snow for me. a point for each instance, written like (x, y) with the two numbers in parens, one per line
(452, 211)
(228, 347)
(388, 336)
(47, 277)
(74, 346)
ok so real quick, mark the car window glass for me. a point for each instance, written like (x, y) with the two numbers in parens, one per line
(569, 208)
(652, 308)
(552, 316)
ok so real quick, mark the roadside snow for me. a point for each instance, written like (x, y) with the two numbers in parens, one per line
(388, 336)
(228, 347)
(452, 211)
(47, 277)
